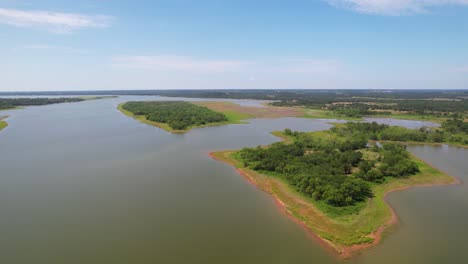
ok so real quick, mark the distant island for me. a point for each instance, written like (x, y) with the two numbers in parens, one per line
(11, 103)
(334, 182)
(175, 116)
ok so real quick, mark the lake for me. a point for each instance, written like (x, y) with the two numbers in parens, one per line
(82, 183)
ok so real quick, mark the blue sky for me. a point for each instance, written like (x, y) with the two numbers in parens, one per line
(104, 44)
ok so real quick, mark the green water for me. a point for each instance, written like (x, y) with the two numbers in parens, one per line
(82, 183)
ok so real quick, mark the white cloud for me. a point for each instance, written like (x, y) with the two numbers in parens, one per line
(52, 21)
(44, 47)
(310, 66)
(393, 7)
(176, 63)
(189, 64)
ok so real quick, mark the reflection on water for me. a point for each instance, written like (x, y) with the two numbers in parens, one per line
(82, 183)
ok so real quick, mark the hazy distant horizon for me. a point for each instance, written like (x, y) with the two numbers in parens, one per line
(71, 92)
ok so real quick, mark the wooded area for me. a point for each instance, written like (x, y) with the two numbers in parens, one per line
(337, 170)
(177, 114)
(7, 103)
(451, 131)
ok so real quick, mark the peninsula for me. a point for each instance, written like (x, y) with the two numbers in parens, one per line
(334, 182)
(177, 116)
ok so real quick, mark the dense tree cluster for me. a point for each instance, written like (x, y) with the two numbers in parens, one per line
(354, 110)
(358, 107)
(6, 103)
(331, 170)
(178, 115)
(392, 161)
(455, 126)
(453, 130)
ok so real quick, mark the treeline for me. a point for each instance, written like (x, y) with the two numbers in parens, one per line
(337, 172)
(315, 95)
(354, 107)
(178, 115)
(455, 126)
(352, 103)
(452, 131)
(354, 110)
(6, 103)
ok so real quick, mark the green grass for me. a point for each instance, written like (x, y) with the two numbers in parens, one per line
(12, 108)
(233, 118)
(3, 124)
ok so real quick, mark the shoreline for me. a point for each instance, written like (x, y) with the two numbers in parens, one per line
(3, 124)
(143, 119)
(339, 250)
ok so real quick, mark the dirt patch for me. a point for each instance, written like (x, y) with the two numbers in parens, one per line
(254, 112)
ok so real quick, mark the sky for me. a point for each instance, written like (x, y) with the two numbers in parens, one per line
(240, 44)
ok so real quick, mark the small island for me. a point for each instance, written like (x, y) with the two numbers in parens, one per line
(176, 116)
(334, 182)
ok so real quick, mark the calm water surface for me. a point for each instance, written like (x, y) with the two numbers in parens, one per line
(82, 183)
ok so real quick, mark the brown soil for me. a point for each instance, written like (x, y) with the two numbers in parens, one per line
(254, 112)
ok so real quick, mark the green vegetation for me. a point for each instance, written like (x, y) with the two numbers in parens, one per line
(334, 171)
(433, 109)
(334, 182)
(8, 103)
(177, 115)
(3, 124)
(90, 97)
(453, 131)
(429, 105)
(434, 105)
(230, 110)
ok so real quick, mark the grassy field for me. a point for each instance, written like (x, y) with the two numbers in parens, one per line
(233, 118)
(345, 229)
